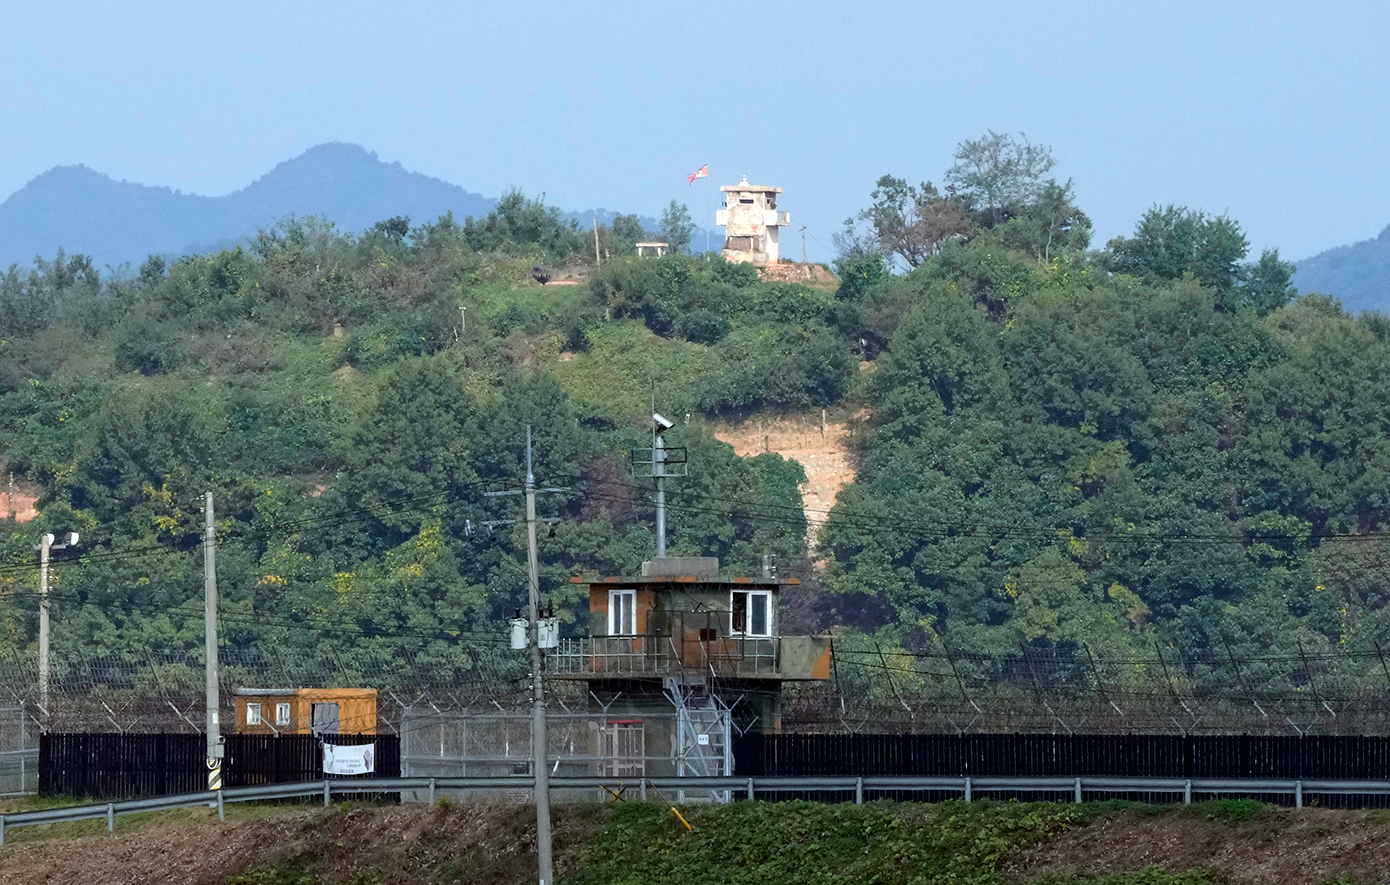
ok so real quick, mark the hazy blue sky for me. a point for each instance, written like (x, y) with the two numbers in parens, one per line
(1274, 112)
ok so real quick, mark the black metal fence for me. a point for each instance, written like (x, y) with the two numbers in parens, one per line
(1068, 755)
(125, 766)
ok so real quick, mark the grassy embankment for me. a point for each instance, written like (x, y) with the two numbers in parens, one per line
(987, 843)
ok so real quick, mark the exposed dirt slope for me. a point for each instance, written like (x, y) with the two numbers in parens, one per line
(813, 275)
(384, 846)
(1275, 847)
(823, 455)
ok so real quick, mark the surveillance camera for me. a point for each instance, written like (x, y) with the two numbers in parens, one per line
(661, 423)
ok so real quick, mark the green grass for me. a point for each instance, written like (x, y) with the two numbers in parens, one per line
(811, 844)
(613, 378)
(132, 823)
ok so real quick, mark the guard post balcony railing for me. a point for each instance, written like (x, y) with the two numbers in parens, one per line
(600, 657)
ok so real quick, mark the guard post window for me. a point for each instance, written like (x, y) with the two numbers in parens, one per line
(622, 612)
(751, 612)
(282, 714)
(253, 714)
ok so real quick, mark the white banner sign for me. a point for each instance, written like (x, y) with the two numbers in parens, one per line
(341, 759)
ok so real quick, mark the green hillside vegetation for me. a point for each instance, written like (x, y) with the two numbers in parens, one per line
(1151, 444)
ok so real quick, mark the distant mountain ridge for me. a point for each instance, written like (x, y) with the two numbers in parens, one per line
(1358, 274)
(81, 210)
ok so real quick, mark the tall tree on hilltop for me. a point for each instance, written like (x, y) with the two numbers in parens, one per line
(912, 223)
(999, 176)
(676, 227)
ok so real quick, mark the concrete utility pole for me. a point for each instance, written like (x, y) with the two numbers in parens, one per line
(215, 747)
(45, 544)
(538, 741)
(598, 261)
(659, 471)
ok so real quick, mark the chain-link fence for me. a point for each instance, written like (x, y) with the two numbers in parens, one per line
(19, 751)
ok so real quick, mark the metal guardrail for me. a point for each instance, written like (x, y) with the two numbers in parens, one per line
(744, 787)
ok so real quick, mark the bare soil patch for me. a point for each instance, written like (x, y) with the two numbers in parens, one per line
(813, 275)
(1278, 847)
(824, 455)
(483, 842)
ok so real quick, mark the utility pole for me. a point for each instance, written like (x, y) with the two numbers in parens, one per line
(659, 472)
(803, 245)
(598, 260)
(45, 544)
(538, 742)
(215, 747)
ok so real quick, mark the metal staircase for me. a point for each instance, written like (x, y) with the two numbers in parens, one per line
(703, 724)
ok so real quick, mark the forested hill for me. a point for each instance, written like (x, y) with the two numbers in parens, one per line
(1358, 274)
(113, 222)
(1155, 443)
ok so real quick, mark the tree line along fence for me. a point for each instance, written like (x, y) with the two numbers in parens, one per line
(128, 766)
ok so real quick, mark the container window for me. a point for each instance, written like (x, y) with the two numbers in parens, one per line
(253, 714)
(282, 714)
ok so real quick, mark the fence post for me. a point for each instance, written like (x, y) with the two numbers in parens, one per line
(1078, 789)
(859, 791)
(1298, 794)
(327, 792)
(1187, 793)
(110, 817)
(967, 790)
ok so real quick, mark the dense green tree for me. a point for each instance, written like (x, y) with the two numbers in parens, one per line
(522, 225)
(1049, 225)
(677, 227)
(1170, 241)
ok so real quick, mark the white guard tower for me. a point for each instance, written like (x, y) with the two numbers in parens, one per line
(750, 220)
